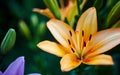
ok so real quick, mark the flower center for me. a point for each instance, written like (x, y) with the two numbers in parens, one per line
(72, 45)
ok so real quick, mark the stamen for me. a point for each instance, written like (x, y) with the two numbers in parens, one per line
(82, 33)
(69, 42)
(90, 36)
(72, 50)
(84, 44)
(70, 33)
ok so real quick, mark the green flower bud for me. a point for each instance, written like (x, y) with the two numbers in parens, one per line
(42, 28)
(24, 30)
(8, 41)
(54, 7)
(34, 20)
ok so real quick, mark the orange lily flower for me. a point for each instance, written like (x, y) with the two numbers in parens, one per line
(84, 45)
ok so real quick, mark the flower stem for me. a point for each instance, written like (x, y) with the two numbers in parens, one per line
(78, 6)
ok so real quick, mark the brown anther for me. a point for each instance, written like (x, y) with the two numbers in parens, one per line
(70, 33)
(84, 44)
(72, 50)
(90, 36)
(69, 42)
(82, 33)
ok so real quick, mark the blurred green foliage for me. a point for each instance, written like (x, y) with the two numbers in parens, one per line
(31, 28)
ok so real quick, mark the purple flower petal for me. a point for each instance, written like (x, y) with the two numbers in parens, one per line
(34, 74)
(16, 67)
(0, 73)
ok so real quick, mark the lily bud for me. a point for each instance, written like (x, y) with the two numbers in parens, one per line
(42, 28)
(34, 20)
(8, 41)
(24, 29)
(54, 7)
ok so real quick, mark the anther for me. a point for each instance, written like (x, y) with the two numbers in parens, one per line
(69, 42)
(70, 33)
(72, 50)
(84, 44)
(90, 36)
(82, 33)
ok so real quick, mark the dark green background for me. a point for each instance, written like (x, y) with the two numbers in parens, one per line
(36, 60)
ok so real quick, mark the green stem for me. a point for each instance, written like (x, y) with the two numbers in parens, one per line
(78, 6)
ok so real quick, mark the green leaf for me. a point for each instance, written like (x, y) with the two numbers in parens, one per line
(117, 24)
(8, 41)
(113, 15)
(54, 7)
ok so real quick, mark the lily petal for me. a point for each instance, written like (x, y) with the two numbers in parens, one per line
(69, 62)
(16, 68)
(99, 60)
(45, 12)
(87, 24)
(103, 41)
(0, 73)
(34, 74)
(52, 47)
(62, 32)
